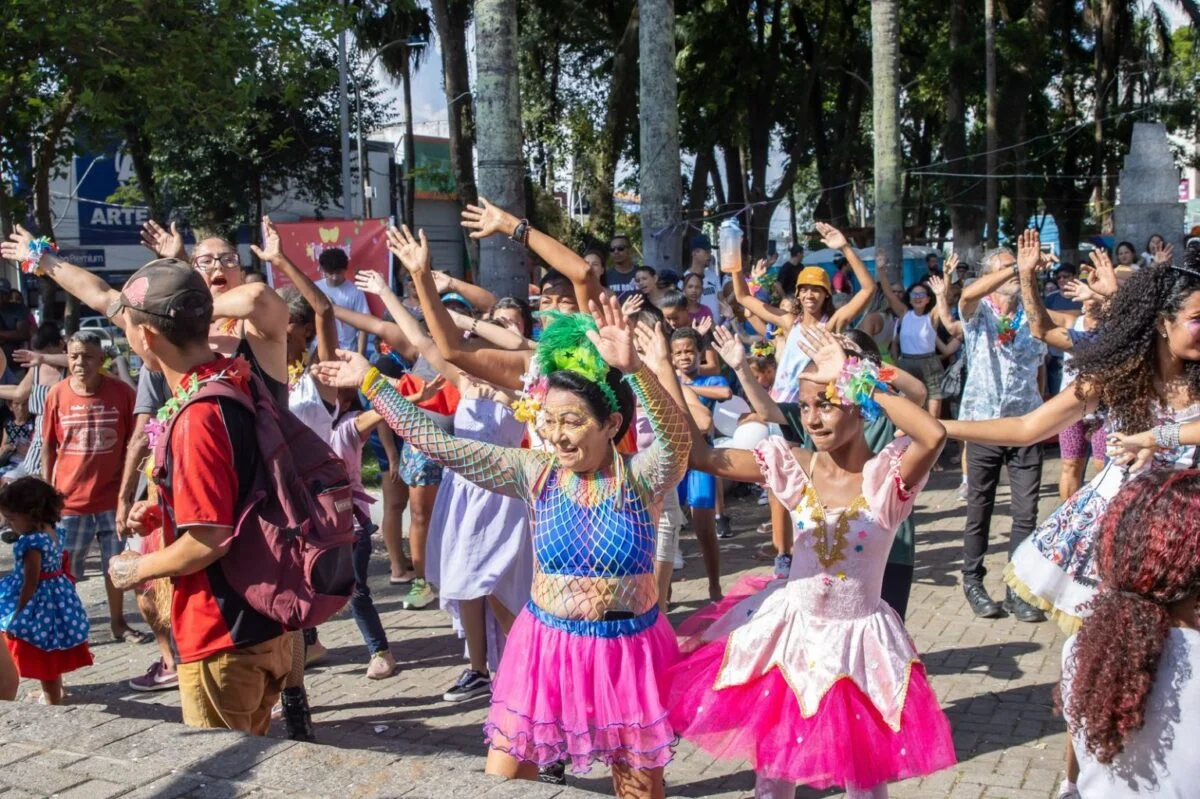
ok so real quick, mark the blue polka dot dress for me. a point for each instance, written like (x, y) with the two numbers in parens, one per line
(48, 637)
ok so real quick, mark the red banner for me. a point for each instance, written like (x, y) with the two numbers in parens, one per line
(364, 241)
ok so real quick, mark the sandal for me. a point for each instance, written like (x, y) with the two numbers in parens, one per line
(132, 636)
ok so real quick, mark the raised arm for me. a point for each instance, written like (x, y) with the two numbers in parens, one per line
(494, 365)
(372, 283)
(652, 344)
(499, 335)
(507, 470)
(753, 305)
(1041, 324)
(845, 316)
(480, 298)
(942, 304)
(732, 352)
(485, 220)
(1053, 416)
(89, 288)
(973, 294)
(894, 300)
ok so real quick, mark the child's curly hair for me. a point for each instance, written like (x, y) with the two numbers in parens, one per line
(34, 498)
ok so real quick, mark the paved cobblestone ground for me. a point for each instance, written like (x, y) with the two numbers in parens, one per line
(396, 737)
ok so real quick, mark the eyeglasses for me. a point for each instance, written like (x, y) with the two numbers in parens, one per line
(206, 263)
(919, 295)
(618, 248)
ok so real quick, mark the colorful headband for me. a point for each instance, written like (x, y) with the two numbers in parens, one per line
(857, 384)
(564, 346)
(762, 349)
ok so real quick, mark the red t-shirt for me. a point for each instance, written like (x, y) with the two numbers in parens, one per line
(205, 485)
(89, 434)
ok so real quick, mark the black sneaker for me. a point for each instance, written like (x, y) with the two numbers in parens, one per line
(1021, 609)
(723, 529)
(470, 685)
(555, 773)
(296, 715)
(982, 604)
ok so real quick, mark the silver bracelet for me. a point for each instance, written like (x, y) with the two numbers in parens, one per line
(1166, 436)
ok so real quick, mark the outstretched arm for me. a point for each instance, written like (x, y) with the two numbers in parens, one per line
(372, 283)
(1041, 324)
(1053, 416)
(753, 305)
(480, 298)
(942, 304)
(89, 288)
(491, 332)
(485, 220)
(388, 331)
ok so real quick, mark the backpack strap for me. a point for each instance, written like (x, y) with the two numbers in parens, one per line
(212, 390)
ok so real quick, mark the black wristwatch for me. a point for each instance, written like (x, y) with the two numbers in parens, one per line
(520, 233)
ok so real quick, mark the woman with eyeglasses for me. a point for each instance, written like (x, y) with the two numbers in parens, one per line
(917, 345)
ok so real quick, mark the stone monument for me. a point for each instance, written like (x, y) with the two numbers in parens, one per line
(1148, 191)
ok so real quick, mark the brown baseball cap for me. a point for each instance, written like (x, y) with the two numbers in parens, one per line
(167, 288)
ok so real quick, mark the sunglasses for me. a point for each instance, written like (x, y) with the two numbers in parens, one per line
(618, 248)
(917, 295)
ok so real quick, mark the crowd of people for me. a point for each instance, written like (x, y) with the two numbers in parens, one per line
(548, 457)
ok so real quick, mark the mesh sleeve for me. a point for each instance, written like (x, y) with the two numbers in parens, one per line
(664, 464)
(506, 470)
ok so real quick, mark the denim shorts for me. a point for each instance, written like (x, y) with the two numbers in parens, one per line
(78, 532)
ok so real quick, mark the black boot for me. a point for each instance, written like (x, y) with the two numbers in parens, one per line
(555, 773)
(296, 715)
(1021, 609)
(983, 605)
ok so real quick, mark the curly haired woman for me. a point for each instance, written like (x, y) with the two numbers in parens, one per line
(1131, 677)
(1141, 370)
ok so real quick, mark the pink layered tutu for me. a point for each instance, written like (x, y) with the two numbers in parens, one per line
(695, 625)
(561, 695)
(846, 742)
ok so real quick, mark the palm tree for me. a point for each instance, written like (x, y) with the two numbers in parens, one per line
(397, 31)
(885, 50)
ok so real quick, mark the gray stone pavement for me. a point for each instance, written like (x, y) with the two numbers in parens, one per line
(396, 737)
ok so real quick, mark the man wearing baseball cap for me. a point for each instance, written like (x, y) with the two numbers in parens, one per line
(232, 660)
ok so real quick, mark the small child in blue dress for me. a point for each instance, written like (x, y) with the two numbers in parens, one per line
(44, 623)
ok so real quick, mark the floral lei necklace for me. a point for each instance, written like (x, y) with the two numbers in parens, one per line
(1007, 325)
(296, 370)
(156, 427)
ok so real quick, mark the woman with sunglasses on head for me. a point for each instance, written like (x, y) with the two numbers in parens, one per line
(813, 679)
(583, 674)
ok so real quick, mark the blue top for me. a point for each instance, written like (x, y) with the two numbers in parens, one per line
(54, 618)
(707, 381)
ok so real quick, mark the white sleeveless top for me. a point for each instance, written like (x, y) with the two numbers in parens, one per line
(917, 336)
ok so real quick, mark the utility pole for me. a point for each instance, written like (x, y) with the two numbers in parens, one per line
(343, 95)
(993, 188)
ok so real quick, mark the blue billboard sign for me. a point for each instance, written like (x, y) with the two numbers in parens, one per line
(97, 176)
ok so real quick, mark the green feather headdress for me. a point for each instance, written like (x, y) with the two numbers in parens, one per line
(564, 345)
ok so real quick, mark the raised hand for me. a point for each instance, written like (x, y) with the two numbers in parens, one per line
(831, 237)
(485, 219)
(428, 391)
(1078, 291)
(703, 326)
(17, 246)
(760, 268)
(412, 252)
(1029, 251)
(370, 282)
(729, 347)
(826, 353)
(633, 303)
(951, 266)
(161, 242)
(614, 338)
(937, 284)
(1164, 254)
(347, 371)
(880, 260)
(271, 249)
(652, 345)
(1104, 277)
(442, 282)
(27, 358)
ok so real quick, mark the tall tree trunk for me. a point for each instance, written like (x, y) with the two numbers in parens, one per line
(451, 18)
(885, 64)
(410, 147)
(619, 108)
(698, 188)
(719, 197)
(658, 118)
(993, 186)
(43, 168)
(501, 162)
(1107, 56)
(966, 221)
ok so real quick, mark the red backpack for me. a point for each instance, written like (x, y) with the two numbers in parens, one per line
(290, 557)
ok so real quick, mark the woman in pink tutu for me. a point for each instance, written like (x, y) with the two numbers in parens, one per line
(813, 679)
(583, 675)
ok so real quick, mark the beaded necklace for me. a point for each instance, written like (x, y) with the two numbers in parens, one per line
(1007, 325)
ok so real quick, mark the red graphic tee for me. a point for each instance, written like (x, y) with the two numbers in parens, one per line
(89, 434)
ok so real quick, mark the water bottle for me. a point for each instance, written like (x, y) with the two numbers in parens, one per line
(729, 244)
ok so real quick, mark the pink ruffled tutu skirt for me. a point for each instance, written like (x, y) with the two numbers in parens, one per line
(846, 742)
(568, 696)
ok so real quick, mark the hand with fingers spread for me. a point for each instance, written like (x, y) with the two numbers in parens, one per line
(1132, 450)
(1078, 291)
(1104, 277)
(831, 237)
(938, 285)
(652, 344)
(729, 347)
(370, 282)
(614, 338)
(28, 358)
(703, 325)
(826, 353)
(442, 282)
(347, 371)
(951, 266)
(1164, 254)
(428, 391)
(485, 219)
(632, 304)
(161, 242)
(760, 268)
(17, 248)
(412, 252)
(271, 250)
